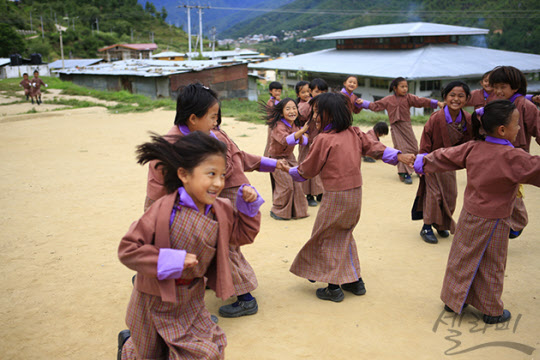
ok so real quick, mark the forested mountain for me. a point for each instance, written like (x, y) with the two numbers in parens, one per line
(220, 18)
(89, 25)
(514, 24)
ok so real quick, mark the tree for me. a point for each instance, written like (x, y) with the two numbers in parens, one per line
(11, 41)
(150, 8)
(164, 13)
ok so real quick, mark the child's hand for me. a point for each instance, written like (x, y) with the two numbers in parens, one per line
(359, 101)
(282, 164)
(249, 194)
(407, 159)
(440, 104)
(536, 99)
(190, 261)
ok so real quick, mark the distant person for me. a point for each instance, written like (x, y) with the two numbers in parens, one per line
(398, 107)
(288, 197)
(436, 198)
(349, 85)
(331, 255)
(379, 130)
(25, 84)
(509, 83)
(318, 86)
(181, 239)
(35, 90)
(477, 260)
(312, 188)
(480, 97)
(275, 88)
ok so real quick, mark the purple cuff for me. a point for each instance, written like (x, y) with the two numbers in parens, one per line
(248, 209)
(434, 103)
(170, 263)
(291, 140)
(365, 104)
(304, 140)
(390, 156)
(295, 175)
(529, 97)
(267, 164)
(419, 164)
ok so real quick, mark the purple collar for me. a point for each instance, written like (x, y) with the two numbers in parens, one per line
(448, 117)
(286, 123)
(328, 127)
(499, 141)
(185, 131)
(346, 93)
(186, 201)
(486, 95)
(514, 97)
(276, 101)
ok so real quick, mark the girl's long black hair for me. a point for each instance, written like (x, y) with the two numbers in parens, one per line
(333, 108)
(194, 99)
(496, 113)
(173, 152)
(275, 113)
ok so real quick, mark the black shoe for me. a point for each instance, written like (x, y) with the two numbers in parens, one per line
(311, 201)
(514, 234)
(32, 101)
(368, 159)
(311, 281)
(26, 97)
(357, 287)
(214, 319)
(122, 338)
(239, 308)
(447, 308)
(443, 233)
(498, 319)
(332, 295)
(133, 279)
(319, 197)
(274, 216)
(428, 236)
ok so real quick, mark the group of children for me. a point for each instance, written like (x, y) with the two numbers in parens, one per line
(200, 207)
(32, 87)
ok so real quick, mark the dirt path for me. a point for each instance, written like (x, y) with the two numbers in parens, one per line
(70, 188)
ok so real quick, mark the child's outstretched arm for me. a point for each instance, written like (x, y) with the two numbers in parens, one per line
(247, 219)
(444, 159)
(379, 105)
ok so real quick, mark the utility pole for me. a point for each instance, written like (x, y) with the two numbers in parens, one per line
(189, 7)
(42, 33)
(213, 32)
(59, 28)
(97, 25)
(132, 36)
(31, 27)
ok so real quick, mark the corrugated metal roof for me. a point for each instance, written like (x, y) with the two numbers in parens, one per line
(4, 61)
(145, 68)
(168, 54)
(150, 46)
(429, 62)
(69, 63)
(400, 30)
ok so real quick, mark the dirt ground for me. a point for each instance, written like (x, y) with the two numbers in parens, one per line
(70, 188)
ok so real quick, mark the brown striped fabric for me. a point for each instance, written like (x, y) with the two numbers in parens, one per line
(476, 264)
(331, 255)
(519, 218)
(314, 185)
(289, 201)
(405, 141)
(243, 275)
(440, 200)
(181, 330)
(268, 141)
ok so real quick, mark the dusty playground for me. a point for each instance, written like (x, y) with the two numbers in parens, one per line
(70, 188)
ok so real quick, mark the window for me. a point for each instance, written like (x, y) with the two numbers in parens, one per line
(379, 83)
(430, 85)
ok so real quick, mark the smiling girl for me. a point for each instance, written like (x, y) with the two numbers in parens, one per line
(437, 193)
(288, 200)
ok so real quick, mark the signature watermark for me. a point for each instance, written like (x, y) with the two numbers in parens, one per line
(456, 327)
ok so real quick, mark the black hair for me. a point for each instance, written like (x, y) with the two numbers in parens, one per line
(275, 113)
(275, 85)
(194, 99)
(25, 74)
(395, 83)
(319, 84)
(486, 74)
(349, 76)
(333, 108)
(381, 128)
(509, 75)
(496, 113)
(297, 88)
(448, 88)
(36, 71)
(173, 152)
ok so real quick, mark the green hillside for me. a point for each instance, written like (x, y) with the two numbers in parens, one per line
(91, 24)
(516, 22)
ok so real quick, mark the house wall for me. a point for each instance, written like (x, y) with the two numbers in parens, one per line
(8, 72)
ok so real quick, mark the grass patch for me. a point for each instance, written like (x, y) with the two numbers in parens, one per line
(31, 111)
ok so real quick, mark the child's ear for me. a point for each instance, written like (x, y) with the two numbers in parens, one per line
(192, 119)
(182, 174)
(501, 130)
